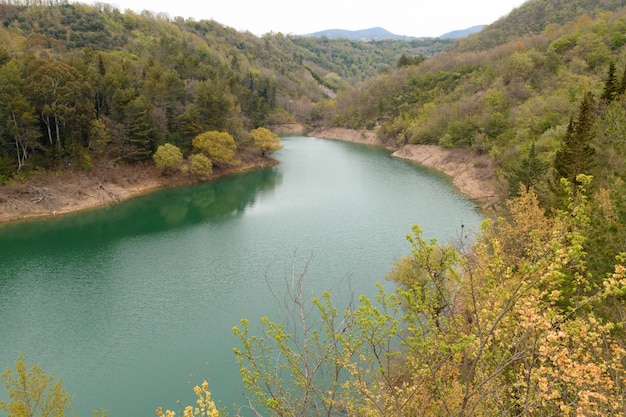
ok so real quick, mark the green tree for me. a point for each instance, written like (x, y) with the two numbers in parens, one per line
(530, 172)
(99, 137)
(18, 115)
(318, 360)
(576, 154)
(62, 99)
(611, 85)
(168, 157)
(215, 105)
(406, 60)
(472, 330)
(138, 128)
(200, 165)
(266, 141)
(32, 393)
(219, 146)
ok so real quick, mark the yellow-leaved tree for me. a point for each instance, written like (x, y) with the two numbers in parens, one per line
(32, 393)
(266, 141)
(168, 157)
(219, 146)
(506, 325)
(205, 406)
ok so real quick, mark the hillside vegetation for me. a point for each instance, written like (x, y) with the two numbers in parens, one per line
(81, 84)
(525, 320)
(545, 106)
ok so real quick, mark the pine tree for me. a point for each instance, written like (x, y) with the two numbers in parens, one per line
(138, 128)
(529, 172)
(622, 85)
(611, 87)
(576, 154)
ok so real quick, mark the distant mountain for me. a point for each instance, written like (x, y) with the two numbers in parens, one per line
(372, 34)
(456, 34)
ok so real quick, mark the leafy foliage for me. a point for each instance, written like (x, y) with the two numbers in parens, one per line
(151, 79)
(200, 165)
(576, 153)
(168, 156)
(481, 330)
(219, 146)
(266, 141)
(205, 405)
(32, 393)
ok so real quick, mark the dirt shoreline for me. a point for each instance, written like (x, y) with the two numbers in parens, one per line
(57, 193)
(473, 175)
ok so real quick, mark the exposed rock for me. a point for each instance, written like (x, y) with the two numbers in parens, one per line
(473, 175)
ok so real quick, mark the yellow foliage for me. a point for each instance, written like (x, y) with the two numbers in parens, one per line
(265, 140)
(32, 393)
(206, 407)
(168, 156)
(219, 146)
(201, 166)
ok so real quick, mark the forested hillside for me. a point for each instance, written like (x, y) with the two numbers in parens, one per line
(82, 83)
(532, 18)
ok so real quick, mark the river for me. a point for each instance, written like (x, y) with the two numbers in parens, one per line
(132, 303)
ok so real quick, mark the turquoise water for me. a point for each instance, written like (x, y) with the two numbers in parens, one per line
(132, 303)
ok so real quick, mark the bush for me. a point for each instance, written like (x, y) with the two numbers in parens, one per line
(201, 166)
(265, 140)
(168, 157)
(220, 146)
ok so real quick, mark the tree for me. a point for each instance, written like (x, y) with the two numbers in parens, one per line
(17, 114)
(530, 172)
(471, 331)
(32, 393)
(168, 157)
(138, 128)
(576, 154)
(317, 361)
(206, 406)
(200, 165)
(99, 137)
(406, 60)
(611, 85)
(265, 140)
(219, 146)
(62, 99)
(215, 105)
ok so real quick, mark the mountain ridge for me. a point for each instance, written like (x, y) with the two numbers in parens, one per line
(370, 34)
(462, 33)
(379, 33)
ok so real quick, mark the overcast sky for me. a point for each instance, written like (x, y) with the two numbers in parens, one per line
(402, 17)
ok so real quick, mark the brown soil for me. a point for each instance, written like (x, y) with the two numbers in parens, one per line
(55, 193)
(366, 137)
(473, 175)
(288, 128)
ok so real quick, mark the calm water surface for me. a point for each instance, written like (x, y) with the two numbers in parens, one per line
(133, 303)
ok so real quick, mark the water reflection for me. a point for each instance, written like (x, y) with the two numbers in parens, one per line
(153, 213)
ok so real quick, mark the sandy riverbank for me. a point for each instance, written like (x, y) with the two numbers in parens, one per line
(473, 175)
(56, 193)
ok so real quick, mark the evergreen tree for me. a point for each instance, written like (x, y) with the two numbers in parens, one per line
(138, 128)
(529, 172)
(576, 154)
(622, 85)
(611, 87)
